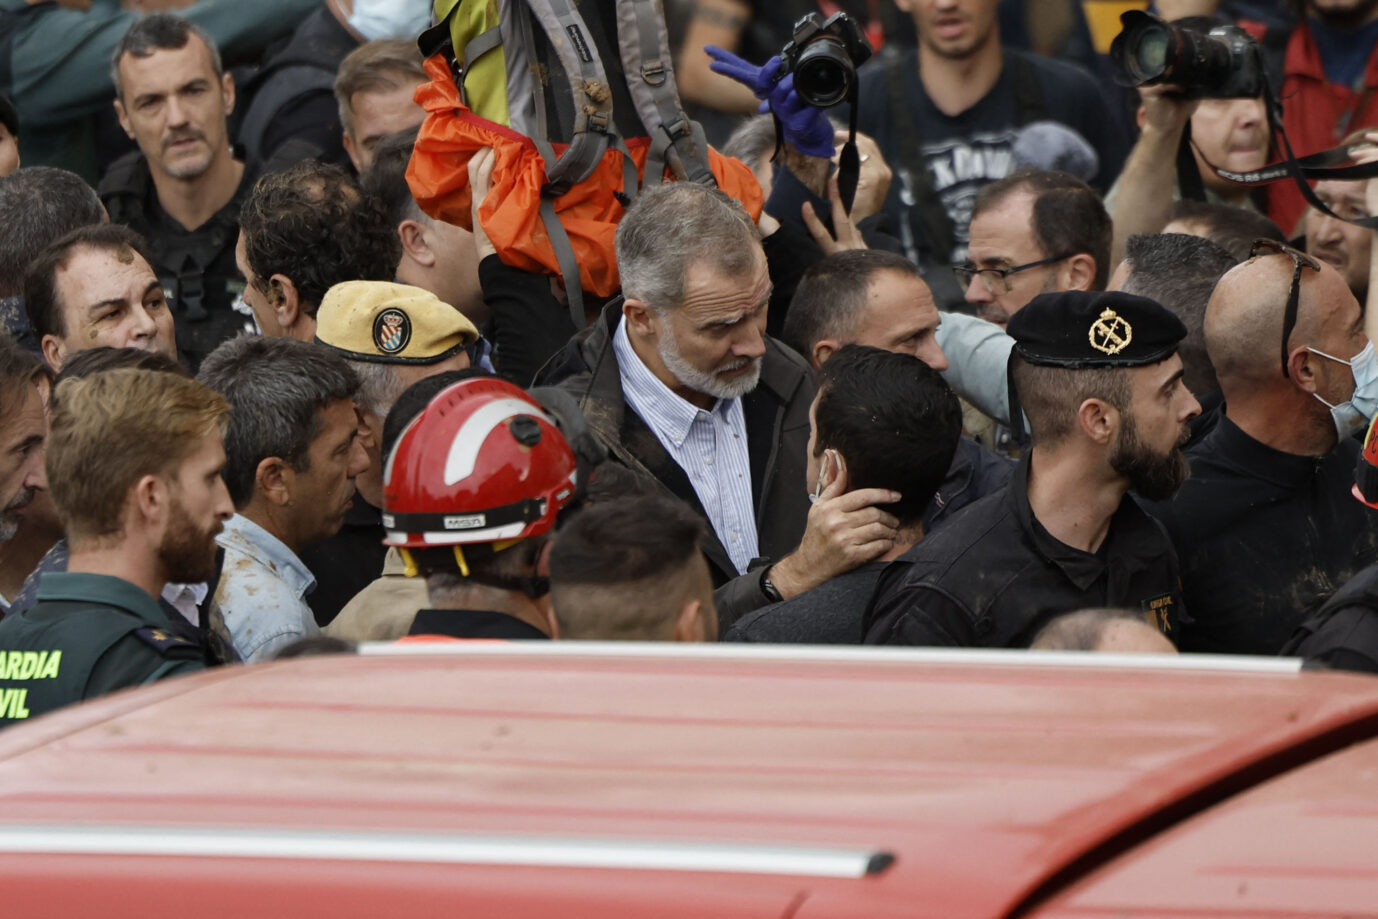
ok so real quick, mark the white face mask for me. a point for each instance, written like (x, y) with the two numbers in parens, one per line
(375, 19)
(1354, 414)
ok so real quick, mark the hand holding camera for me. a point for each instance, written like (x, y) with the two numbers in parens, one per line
(802, 126)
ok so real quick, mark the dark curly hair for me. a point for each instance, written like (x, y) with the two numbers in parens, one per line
(313, 224)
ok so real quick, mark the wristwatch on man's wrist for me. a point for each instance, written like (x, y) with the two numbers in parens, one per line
(768, 587)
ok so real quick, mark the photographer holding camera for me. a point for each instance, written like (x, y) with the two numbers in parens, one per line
(1223, 105)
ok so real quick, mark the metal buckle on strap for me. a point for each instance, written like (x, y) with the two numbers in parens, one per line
(653, 72)
(678, 129)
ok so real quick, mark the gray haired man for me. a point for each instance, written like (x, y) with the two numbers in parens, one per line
(292, 453)
(681, 382)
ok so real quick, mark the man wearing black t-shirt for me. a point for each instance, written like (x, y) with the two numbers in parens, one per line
(946, 116)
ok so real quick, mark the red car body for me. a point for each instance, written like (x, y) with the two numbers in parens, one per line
(573, 780)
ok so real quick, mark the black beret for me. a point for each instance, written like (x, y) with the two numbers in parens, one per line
(9, 117)
(1083, 328)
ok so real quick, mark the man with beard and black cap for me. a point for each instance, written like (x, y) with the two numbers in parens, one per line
(1100, 380)
(150, 517)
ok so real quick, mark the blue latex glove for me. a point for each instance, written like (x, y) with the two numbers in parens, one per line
(804, 127)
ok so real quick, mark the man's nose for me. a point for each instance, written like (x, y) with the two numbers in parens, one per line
(358, 458)
(36, 475)
(144, 325)
(933, 355)
(1328, 228)
(977, 292)
(751, 343)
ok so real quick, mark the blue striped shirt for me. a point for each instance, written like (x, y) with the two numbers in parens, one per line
(709, 445)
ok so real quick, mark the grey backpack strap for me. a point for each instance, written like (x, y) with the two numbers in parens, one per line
(569, 263)
(570, 40)
(650, 77)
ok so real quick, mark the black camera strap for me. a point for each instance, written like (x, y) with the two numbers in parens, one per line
(849, 163)
(1189, 184)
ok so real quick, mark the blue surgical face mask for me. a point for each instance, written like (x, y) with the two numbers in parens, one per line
(1353, 415)
(375, 19)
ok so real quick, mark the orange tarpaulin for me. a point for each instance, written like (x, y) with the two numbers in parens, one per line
(439, 179)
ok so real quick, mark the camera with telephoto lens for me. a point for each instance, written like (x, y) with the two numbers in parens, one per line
(1224, 63)
(823, 55)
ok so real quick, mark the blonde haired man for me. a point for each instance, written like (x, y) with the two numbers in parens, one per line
(134, 461)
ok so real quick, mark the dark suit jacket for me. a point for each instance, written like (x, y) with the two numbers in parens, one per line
(777, 429)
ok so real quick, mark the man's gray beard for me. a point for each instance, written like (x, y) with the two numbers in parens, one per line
(706, 383)
(10, 518)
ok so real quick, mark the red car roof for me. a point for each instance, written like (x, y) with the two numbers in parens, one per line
(522, 780)
(1303, 844)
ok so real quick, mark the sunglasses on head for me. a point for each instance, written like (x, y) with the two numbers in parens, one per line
(1299, 260)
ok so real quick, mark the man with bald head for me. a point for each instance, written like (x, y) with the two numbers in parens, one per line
(1265, 527)
(1119, 631)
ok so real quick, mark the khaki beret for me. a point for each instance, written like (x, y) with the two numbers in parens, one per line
(391, 323)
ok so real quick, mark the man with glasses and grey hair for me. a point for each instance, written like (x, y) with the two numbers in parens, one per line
(292, 451)
(1266, 526)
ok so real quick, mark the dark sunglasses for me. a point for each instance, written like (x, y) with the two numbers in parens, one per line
(1299, 260)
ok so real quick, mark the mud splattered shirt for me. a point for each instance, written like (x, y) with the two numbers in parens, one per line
(258, 605)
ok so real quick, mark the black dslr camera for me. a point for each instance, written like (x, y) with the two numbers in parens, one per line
(823, 56)
(1224, 63)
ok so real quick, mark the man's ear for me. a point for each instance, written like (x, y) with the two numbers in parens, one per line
(414, 243)
(54, 351)
(150, 499)
(1079, 272)
(1302, 366)
(822, 350)
(689, 624)
(284, 299)
(227, 91)
(1099, 420)
(123, 116)
(641, 321)
(351, 149)
(1141, 117)
(274, 479)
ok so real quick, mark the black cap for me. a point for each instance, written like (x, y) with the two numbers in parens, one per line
(9, 116)
(1082, 328)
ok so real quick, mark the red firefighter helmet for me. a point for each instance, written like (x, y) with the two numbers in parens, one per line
(482, 463)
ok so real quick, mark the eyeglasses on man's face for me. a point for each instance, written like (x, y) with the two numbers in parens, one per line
(997, 280)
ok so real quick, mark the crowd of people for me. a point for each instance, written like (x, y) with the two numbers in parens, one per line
(1036, 381)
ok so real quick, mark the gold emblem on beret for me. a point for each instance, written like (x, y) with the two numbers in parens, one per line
(1110, 334)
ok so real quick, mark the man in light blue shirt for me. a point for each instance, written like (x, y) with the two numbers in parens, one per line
(293, 451)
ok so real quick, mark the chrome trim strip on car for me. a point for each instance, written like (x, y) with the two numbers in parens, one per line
(630, 855)
(1006, 657)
